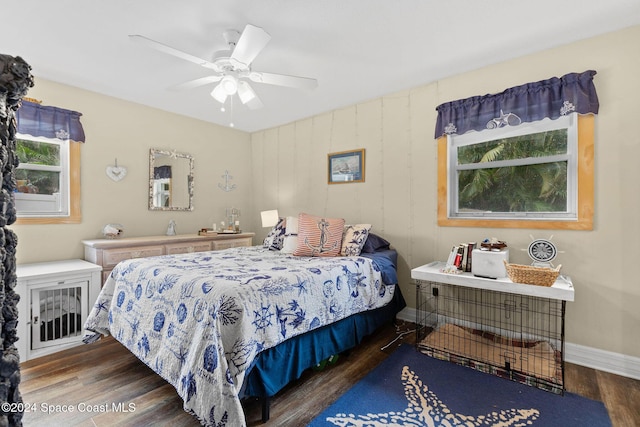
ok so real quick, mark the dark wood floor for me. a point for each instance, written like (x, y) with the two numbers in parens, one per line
(98, 375)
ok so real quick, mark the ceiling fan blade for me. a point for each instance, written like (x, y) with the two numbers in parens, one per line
(252, 40)
(284, 80)
(136, 38)
(197, 82)
(248, 97)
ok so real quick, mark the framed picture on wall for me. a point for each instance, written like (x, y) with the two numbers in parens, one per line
(346, 167)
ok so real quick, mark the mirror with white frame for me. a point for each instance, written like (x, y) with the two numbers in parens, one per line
(170, 181)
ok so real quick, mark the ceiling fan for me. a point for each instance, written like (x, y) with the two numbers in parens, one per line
(232, 67)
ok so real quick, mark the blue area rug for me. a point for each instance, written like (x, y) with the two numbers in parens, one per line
(412, 389)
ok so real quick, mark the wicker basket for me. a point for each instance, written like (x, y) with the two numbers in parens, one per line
(540, 276)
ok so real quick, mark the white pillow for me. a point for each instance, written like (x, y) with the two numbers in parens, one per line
(292, 226)
(290, 242)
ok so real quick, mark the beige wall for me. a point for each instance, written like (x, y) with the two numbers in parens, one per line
(118, 129)
(285, 168)
(399, 195)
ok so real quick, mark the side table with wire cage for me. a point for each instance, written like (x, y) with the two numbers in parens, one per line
(512, 330)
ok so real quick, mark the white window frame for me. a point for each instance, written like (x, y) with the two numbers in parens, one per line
(61, 200)
(568, 122)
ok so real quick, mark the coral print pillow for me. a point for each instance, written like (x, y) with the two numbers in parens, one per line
(354, 238)
(275, 238)
(319, 236)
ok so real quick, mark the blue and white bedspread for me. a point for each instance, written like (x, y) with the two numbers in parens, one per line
(199, 319)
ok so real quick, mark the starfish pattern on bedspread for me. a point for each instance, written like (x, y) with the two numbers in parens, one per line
(425, 409)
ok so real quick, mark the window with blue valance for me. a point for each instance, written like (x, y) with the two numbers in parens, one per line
(50, 122)
(551, 98)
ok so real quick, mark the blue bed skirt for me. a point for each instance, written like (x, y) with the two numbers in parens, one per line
(274, 368)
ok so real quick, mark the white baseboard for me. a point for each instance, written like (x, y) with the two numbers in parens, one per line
(602, 360)
(407, 314)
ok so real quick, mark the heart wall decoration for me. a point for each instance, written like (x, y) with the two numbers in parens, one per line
(116, 172)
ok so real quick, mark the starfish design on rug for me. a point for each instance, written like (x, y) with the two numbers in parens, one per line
(425, 409)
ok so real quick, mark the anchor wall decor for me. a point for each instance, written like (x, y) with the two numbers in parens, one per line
(227, 185)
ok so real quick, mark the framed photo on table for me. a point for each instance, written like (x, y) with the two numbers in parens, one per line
(346, 167)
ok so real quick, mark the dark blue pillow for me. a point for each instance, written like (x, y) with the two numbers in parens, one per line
(375, 243)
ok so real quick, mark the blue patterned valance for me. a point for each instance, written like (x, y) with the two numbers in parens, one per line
(162, 172)
(50, 122)
(552, 98)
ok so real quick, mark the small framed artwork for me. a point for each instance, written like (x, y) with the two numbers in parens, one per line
(346, 167)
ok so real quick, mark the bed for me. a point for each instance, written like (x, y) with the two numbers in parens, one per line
(225, 325)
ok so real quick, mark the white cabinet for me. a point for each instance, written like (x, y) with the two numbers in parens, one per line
(55, 298)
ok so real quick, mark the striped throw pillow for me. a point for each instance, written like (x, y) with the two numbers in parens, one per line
(318, 236)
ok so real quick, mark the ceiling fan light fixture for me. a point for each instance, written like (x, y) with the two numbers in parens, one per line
(245, 92)
(231, 65)
(219, 94)
(229, 84)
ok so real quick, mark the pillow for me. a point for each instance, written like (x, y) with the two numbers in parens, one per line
(375, 243)
(274, 239)
(354, 238)
(319, 236)
(290, 236)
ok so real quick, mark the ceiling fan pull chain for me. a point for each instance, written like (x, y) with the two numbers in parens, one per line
(231, 112)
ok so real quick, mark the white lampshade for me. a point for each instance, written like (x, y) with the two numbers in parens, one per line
(269, 218)
(229, 84)
(248, 97)
(218, 93)
(245, 93)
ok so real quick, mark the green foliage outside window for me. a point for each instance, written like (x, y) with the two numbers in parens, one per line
(514, 187)
(32, 179)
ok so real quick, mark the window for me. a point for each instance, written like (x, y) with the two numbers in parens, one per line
(48, 177)
(534, 175)
(42, 177)
(526, 172)
(521, 158)
(47, 180)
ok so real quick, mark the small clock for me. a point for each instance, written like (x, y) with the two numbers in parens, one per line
(542, 252)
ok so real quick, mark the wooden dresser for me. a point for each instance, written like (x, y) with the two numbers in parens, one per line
(109, 252)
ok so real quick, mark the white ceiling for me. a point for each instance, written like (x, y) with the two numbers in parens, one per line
(357, 49)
